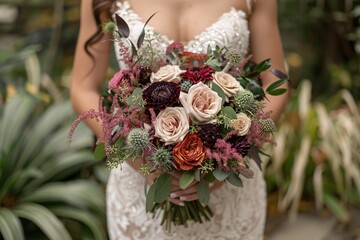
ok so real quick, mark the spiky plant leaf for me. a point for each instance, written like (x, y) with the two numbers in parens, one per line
(90, 220)
(80, 193)
(10, 226)
(44, 219)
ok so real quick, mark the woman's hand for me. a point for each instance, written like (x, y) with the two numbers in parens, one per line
(178, 196)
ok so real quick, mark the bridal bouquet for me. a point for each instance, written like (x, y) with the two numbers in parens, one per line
(200, 115)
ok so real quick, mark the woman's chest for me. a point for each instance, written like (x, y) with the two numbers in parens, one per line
(183, 19)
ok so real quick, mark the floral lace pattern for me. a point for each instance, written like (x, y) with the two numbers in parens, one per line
(239, 213)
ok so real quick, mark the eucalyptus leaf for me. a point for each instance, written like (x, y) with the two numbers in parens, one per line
(99, 152)
(219, 91)
(203, 192)
(197, 174)
(235, 180)
(186, 179)
(150, 198)
(163, 187)
(220, 175)
(229, 112)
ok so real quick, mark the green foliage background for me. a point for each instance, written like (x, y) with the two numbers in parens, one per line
(321, 40)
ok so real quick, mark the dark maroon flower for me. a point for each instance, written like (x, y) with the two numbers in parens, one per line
(240, 143)
(160, 95)
(198, 74)
(143, 75)
(209, 133)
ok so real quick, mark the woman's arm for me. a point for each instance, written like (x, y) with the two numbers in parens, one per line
(88, 75)
(265, 42)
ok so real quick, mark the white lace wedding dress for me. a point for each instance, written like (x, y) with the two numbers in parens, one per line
(239, 213)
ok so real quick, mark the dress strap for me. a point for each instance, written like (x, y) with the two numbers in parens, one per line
(249, 4)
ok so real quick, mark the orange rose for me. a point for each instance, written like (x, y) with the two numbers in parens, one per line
(189, 153)
(191, 57)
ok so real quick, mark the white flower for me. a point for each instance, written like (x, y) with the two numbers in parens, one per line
(168, 73)
(172, 125)
(201, 103)
(241, 124)
(227, 83)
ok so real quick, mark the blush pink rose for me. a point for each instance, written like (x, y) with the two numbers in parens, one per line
(201, 102)
(172, 125)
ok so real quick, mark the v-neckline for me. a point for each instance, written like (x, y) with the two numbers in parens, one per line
(196, 36)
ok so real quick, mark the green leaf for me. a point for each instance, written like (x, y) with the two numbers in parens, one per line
(150, 198)
(10, 225)
(264, 65)
(219, 91)
(235, 180)
(197, 175)
(275, 85)
(277, 92)
(44, 219)
(80, 193)
(186, 179)
(203, 192)
(135, 97)
(335, 206)
(163, 187)
(88, 219)
(99, 152)
(220, 175)
(229, 112)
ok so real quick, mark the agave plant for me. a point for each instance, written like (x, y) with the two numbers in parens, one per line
(41, 194)
(317, 154)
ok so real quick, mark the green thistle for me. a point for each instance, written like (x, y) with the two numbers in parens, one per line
(108, 27)
(185, 85)
(138, 139)
(245, 102)
(233, 57)
(267, 125)
(163, 159)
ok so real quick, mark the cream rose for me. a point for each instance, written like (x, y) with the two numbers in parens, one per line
(201, 103)
(227, 83)
(172, 125)
(167, 73)
(241, 124)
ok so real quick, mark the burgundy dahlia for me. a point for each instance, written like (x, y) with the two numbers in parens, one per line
(160, 95)
(209, 133)
(240, 143)
(198, 74)
(143, 75)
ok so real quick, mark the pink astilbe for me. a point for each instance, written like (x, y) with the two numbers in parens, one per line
(126, 117)
(222, 153)
(125, 54)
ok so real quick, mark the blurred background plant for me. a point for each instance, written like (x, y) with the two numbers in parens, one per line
(314, 166)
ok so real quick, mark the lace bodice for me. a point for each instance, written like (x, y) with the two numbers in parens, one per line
(239, 213)
(230, 30)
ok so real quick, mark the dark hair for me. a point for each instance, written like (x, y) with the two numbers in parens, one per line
(102, 13)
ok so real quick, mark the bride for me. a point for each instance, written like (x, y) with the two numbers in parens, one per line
(245, 25)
